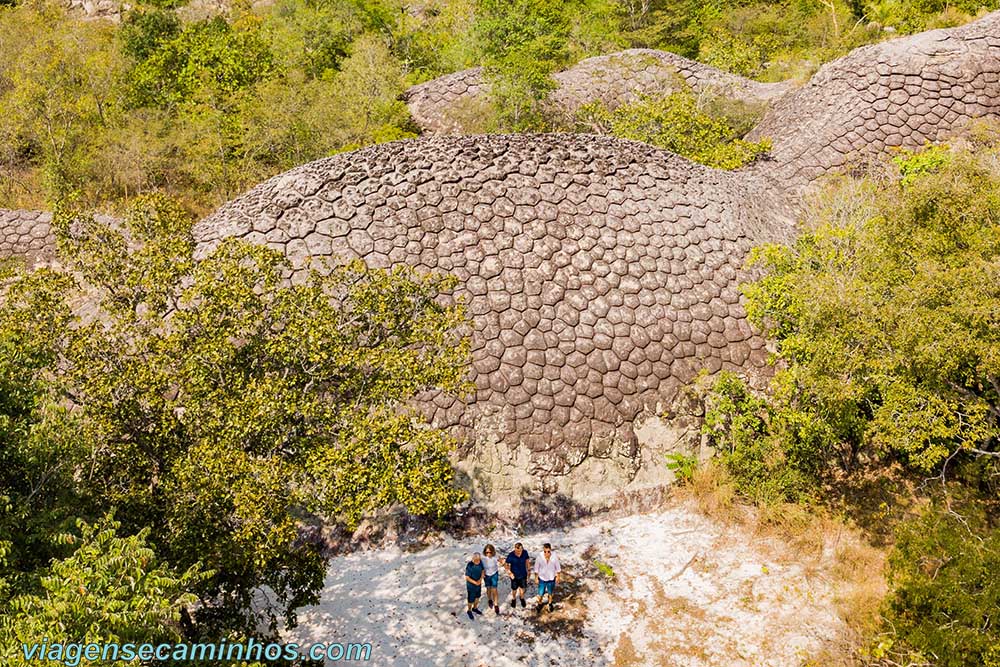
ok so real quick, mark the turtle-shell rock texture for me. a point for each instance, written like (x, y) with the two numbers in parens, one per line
(904, 92)
(26, 234)
(440, 105)
(601, 275)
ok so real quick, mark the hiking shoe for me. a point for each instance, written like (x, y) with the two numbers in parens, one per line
(475, 610)
(513, 602)
(496, 608)
(550, 607)
(469, 614)
(523, 603)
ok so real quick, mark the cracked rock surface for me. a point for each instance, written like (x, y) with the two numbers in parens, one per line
(26, 234)
(904, 92)
(601, 275)
(437, 106)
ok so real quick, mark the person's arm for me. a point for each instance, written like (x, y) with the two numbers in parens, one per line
(558, 570)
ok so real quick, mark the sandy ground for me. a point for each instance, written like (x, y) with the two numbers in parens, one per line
(684, 592)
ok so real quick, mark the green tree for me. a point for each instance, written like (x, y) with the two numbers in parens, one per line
(218, 405)
(207, 62)
(57, 90)
(111, 589)
(945, 591)
(890, 314)
(523, 43)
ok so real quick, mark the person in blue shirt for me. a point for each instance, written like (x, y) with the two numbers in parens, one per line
(517, 569)
(474, 585)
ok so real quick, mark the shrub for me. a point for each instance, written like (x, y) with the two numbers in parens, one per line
(771, 450)
(683, 466)
(945, 595)
(677, 123)
(886, 311)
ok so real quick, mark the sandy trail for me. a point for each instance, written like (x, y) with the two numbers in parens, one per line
(685, 592)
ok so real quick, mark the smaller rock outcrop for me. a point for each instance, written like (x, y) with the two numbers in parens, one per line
(442, 105)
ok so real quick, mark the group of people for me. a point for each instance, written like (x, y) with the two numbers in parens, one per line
(484, 570)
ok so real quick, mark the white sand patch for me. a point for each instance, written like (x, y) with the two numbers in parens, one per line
(685, 592)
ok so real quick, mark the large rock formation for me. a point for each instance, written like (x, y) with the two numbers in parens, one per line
(601, 275)
(444, 105)
(903, 92)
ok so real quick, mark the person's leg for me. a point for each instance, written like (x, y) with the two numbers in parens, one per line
(475, 602)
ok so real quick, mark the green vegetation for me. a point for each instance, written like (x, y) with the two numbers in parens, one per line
(164, 439)
(201, 110)
(945, 591)
(886, 319)
(682, 465)
(681, 124)
(213, 408)
(605, 569)
(204, 108)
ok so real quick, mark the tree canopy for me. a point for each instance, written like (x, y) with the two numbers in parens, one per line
(213, 407)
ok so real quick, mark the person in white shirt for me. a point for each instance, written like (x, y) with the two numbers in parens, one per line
(492, 576)
(546, 570)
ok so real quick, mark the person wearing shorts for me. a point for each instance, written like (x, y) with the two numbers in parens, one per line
(546, 569)
(491, 565)
(516, 564)
(473, 585)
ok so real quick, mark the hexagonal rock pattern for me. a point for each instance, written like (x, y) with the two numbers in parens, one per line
(601, 275)
(613, 79)
(26, 234)
(903, 92)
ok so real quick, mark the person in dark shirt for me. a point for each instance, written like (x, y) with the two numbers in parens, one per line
(474, 585)
(517, 569)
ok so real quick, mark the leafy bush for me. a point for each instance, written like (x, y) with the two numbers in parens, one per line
(946, 593)
(772, 451)
(523, 42)
(208, 61)
(111, 589)
(605, 569)
(912, 164)
(682, 465)
(678, 123)
(885, 311)
(144, 31)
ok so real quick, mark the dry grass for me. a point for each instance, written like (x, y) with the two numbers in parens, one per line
(625, 653)
(823, 544)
